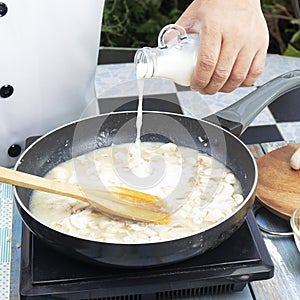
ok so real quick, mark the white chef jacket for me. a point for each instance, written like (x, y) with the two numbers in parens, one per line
(48, 57)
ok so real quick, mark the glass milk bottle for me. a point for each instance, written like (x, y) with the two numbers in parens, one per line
(174, 60)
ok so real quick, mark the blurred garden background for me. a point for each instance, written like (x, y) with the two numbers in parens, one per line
(136, 23)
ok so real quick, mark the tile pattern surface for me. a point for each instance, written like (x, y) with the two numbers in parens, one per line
(277, 121)
(6, 200)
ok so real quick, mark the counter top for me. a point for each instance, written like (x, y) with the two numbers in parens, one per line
(278, 123)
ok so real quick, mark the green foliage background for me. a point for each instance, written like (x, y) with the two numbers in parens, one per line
(283, 18)
(136, 23)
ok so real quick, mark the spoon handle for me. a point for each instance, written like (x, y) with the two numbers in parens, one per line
(39, 183)
(120, 202)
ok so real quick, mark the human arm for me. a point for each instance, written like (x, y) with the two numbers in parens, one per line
(234, 40)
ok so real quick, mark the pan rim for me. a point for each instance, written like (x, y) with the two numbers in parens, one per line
(244, 203)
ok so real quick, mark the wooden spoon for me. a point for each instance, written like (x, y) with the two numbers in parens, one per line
(115, 200)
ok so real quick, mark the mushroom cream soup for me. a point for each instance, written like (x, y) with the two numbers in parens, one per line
(198, 190)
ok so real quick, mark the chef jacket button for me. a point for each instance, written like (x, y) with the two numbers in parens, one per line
(3, 9)
(14, 150)
(6, 91)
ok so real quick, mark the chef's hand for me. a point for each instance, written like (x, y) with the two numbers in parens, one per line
(233, 43)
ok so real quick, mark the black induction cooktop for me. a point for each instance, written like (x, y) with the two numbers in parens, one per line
(47, 274)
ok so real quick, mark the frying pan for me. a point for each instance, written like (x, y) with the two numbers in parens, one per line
(216, 135)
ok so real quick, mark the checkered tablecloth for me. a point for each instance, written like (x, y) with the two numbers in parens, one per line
(6, 201)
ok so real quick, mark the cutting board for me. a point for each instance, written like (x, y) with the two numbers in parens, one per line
(278, 185)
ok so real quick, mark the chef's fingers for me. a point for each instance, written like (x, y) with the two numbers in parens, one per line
(223, 68)
(207, 59)
(233, 70)
(256, 68)
(240, 71)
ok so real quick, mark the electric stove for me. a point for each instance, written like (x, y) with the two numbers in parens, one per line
(48, 274)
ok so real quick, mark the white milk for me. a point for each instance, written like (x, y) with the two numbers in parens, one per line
(139, 119)
(139, 167)
(175, 60)
(177, 65)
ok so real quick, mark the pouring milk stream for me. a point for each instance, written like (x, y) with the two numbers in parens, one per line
(174, 60)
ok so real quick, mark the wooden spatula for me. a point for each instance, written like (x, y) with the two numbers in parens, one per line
(115, 200)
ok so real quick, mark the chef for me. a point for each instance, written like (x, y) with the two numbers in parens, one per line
(48, 57)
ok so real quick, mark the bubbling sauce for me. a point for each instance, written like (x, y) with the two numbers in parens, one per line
(199, 191)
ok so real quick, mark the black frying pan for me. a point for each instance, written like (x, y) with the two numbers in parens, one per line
(101, 131)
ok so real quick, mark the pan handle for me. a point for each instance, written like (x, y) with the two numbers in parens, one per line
(238, 116)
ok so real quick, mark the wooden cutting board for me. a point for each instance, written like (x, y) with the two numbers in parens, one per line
(278, 185)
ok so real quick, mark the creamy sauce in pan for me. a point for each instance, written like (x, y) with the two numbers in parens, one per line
(198, 189)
